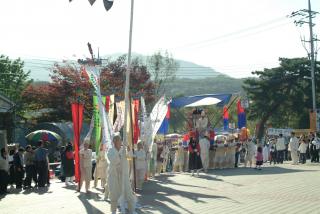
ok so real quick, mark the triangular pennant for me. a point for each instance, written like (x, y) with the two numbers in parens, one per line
(107, 4)
(92, 2)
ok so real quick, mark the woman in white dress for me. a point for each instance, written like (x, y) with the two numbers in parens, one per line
(101, 168)
(85, 167)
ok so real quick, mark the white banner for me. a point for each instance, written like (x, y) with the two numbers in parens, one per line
(118, 124)
(107, 131)
(155, 120)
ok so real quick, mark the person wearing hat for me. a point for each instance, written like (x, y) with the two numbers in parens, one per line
(85, 166)
(204, 148)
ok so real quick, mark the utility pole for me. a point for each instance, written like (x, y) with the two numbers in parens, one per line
(305, 17)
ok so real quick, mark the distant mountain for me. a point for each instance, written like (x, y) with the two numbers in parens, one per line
(209, 85)
(191, 79)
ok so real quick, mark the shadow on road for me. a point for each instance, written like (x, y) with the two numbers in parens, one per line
(84, 198)
(270, 170)
(156, 195)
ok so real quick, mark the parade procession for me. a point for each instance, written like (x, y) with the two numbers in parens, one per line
(159, 107)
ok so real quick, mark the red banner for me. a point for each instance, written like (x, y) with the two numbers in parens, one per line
(108, 104)
(136, 130)
(77, 116)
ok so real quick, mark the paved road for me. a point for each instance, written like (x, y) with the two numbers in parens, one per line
(275, 189)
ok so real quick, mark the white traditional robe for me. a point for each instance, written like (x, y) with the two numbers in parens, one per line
(85, 167)
(266, 153)
(101, 169)
(293, 147)
(250, 153)
(140, 162)
(114, 176)
(204, 152)
(179, 159)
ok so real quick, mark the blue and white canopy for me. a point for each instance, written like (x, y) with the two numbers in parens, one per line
(200, 100)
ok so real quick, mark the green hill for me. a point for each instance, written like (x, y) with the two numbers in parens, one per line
(211, 85)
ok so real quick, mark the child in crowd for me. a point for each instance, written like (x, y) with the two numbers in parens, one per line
(259, 158)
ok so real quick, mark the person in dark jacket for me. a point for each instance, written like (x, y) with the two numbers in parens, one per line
(18, 168)
(41, 160)
(195, 163)
(68, 164)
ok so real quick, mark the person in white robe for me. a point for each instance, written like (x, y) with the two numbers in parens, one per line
(165, 156)
(140, 162)
(179, 158)
(202, 124)
(204, 151)
(153, 160)
(85, 166)
(230, 152)
(101, 168)
(250, 153)
(219, 158)
(114, 181)
(294, 148)
(266, 152)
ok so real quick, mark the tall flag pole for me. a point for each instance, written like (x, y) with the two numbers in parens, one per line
(127, 194)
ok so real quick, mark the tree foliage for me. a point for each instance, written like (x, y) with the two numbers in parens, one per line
(281, 96)
(13, 79)
(69, 84)
(163, 69)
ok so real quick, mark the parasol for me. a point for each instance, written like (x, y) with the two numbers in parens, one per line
(43, 135)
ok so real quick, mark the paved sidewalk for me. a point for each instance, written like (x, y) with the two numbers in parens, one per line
(275, 189)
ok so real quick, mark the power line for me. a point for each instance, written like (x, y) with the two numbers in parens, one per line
(225, 36)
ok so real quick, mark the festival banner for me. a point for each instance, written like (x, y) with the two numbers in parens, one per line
(157, 115)
(143, 122)
(88, 136)
(97, 122)
(107, 131)
(225, 119)
(241, 115)
(77, 116)
(118, 124)
(135, 116)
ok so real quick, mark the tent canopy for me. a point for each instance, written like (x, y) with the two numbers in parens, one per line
(200, 100)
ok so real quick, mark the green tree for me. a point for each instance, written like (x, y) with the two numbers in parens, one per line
(13, 80)
(281, 96)
(163, 69)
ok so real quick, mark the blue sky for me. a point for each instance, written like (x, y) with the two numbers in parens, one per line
(232, 36)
